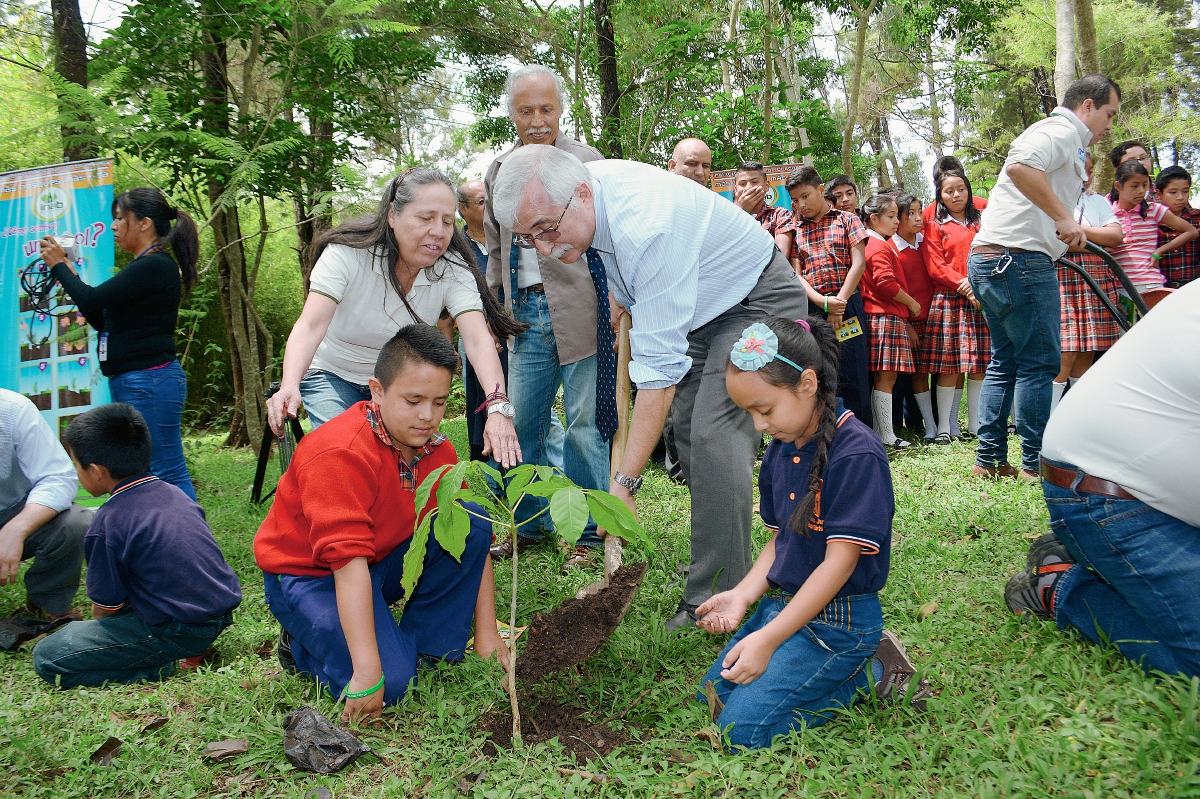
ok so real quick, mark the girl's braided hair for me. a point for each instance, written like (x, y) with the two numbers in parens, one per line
(816, 350)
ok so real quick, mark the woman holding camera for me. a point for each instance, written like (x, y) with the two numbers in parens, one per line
(372, 276)
(135, 313)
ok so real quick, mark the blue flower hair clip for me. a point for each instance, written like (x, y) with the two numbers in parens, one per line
(757, 347)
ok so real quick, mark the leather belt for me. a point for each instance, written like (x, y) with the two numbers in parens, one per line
(995, 249)
(1065, 478)
(536, 288)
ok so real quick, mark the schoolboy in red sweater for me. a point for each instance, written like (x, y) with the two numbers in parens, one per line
(332, 547)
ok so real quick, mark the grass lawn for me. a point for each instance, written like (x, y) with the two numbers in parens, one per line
(1021, 709)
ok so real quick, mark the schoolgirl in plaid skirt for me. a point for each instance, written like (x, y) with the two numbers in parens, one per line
(956, 340)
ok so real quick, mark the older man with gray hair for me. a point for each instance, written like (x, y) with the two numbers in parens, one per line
(559, 348)
(694, 270)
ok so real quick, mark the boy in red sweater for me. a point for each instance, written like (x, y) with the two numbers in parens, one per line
(332, 547)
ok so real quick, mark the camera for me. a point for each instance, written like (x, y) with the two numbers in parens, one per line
(67, 242)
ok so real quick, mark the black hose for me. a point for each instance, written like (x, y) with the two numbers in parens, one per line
(1100, 293)
(1120, 275)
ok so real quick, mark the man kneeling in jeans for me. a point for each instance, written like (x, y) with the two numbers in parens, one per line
(1120, 474)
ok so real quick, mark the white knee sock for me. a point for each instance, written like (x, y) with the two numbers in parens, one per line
(946, 403)
(881, 404)
(925, 403)
(1056, 392)
(1072, 381)
(954, 429)
(973, 389)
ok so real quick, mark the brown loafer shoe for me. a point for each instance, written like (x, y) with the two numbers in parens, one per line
(504, 550)
(32, 611)
(582, 558)
(993, 471)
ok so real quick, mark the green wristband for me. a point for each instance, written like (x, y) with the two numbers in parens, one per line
(826, 304)
(1156, 256)
(366, 693)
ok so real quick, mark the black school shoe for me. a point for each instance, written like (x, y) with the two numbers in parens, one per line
(898, 672)
(284, 652)
(685, 616)
(1031, 590)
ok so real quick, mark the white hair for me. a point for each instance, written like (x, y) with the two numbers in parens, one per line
(529, 72)
(557, 172)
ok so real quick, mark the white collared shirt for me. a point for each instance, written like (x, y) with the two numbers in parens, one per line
(1053, 145)
(902, 244)
(33, 465)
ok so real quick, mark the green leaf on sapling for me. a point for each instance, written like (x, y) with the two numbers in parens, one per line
(487, 503)
(452, 524)
(518, 478)
(488, 471)
(569, 510)
(414, 559)
(421, 499)
(547, 488)
(615, 517)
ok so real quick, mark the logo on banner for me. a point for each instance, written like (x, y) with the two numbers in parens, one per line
(51, 203)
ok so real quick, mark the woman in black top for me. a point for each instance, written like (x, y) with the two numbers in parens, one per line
(135, 314)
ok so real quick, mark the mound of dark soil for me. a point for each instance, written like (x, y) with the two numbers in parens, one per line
(572, 632)
(547, 719)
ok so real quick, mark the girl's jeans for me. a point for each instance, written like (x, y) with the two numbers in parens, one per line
(159, 394)
(325, 395)
(811, 676)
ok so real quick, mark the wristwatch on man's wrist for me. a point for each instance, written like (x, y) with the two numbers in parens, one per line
(632, 484)
(505, 409)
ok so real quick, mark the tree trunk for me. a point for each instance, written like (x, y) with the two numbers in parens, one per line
(935, 111)
(730, 37)
(863, 16)
(1064, 47)
(71, 64)
(1045, 91)
(768, 82)
(1089, 50)
(249, 361)
(317, 188)
(610, 93)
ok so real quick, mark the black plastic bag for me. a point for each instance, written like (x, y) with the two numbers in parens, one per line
(312, 742)
(16, 630)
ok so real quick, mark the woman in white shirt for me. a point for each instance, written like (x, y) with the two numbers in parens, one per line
(375, 274)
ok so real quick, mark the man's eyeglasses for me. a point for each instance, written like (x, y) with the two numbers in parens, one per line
(480, 201)
(529, 241)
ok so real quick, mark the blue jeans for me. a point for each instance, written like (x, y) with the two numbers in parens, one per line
(436, 621)
(159, 394)
(121, 649)
(325, 395)
(1134, 585)
(534, 378)
(1019, 293)
(818, 671)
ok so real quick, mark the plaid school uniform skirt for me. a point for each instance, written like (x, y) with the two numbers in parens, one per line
(1087, 326)
(890, 348)
(956, 337)
(922, 328)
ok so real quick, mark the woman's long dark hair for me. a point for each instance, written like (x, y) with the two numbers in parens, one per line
(816, 350)
(375, 234)
(1125, 171)
(150, 203)
(943, 213)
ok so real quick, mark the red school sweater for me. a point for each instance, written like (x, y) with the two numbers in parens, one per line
(946, 247)
(930, 211)
(341, 499)
(882, 280)
(916, 279)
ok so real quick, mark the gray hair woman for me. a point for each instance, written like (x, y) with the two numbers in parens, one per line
(375, 274)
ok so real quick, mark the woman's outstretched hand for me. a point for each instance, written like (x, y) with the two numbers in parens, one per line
(722, 613)
(284, 404)
(500, 440)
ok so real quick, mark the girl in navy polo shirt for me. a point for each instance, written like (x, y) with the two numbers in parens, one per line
(816, 641)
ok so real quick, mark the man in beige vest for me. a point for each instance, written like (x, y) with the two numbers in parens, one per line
(559, 349)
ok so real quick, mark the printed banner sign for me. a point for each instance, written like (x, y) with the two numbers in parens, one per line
(47, 351)
(722, 183)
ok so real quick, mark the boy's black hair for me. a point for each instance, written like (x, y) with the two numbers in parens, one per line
(114, 436)
(972, 213)
(840, 180)
(750, 166)
(876, 205)
(1119, 151)
(816, 349)
(1171, 173)
(1095, 87)
(803, 176)
(1124, 172)
(947, 162)
(416, 342)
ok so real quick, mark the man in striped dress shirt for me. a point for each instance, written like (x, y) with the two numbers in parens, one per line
(694, 270)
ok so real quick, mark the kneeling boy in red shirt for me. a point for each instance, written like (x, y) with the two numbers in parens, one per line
(332, 547)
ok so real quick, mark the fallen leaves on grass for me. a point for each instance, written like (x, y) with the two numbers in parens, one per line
(107, 751)
(155, 723)
(219, 750)
(599, 779)
(927, 610)
(710, 735)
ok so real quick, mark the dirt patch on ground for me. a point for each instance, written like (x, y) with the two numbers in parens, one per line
(547, 719)
(572, 632)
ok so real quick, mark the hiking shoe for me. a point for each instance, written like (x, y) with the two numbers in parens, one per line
(284, 651)
(504, 550)
(582, 557)
(685, 616)
(993, 471)
(1047, 555)
(898, 672)
(1032, 589)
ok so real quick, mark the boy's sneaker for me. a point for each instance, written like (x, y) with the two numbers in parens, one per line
(898, 672)
(284, 652)
(1032, 589)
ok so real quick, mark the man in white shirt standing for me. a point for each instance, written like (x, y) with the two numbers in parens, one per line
(1026, 227)
(39, 519)
(1120, 472)
(694, 270)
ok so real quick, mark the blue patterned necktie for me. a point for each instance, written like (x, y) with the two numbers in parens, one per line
(606, 359)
